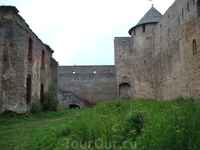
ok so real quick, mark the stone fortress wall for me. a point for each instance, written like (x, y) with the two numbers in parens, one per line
(164, 60)
(86, 85)
(160, 60)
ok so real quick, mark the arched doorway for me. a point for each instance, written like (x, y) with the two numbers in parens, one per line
(124, 90)
(73, 106)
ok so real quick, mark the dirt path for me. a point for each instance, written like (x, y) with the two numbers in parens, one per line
(38, 121)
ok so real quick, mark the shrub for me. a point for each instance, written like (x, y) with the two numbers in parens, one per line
(49, 99)
(36, 107)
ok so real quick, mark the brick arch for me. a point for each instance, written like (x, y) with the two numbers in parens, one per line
(124, 90)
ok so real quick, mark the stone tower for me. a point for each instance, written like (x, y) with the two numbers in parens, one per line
(133, 58)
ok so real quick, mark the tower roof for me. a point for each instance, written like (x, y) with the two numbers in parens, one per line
(152, 16)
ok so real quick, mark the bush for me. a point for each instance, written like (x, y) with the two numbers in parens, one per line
(49, 99)
(36, 107)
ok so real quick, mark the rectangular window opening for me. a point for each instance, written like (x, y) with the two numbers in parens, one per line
(28, 89)
(30, 49)
(43, 59)
(41, 91)
(143, 28)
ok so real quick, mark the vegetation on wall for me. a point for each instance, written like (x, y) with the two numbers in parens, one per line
(49, 99)
(3, 20)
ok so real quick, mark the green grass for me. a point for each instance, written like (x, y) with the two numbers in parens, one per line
(130, 124)
(9, 118)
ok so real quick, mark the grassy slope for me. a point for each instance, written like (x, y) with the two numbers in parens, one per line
(173, 125)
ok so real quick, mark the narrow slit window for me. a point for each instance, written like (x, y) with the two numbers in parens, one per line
(143, 28)
(182, 13)
(198, 8)
(30, 49)
(41, 91)
(134, 32)
(28, 89)
(194, 47)
(43, 59)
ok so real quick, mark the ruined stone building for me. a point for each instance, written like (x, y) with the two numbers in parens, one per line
(160, 60)
(26, 64)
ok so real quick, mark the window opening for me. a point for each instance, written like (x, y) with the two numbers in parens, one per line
(109, 71)
(73, 72)
(134, 32)
(41, 91)
(143, 28)
(188, 7)
(182, 13)
(43, 59)
(28, 89)
(30, 49)
(194, 46)
(94, 71)
(198, 8)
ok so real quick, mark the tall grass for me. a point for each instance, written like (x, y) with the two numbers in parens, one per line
(146, 123)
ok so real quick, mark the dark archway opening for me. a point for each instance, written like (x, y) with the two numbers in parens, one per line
(124, 90)
(73, 106)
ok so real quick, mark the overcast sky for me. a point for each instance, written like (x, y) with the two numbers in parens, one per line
(81, 32)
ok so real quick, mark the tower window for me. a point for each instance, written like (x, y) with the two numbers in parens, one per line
(143, 28)
(30, 49)
(94, 71)
(194, 47)
(134, 32)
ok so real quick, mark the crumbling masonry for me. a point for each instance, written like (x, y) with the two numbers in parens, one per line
(160, 60)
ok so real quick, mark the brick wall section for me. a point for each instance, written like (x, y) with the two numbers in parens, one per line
(190, 64)
(88, 86)
(166, 55)
(15, 66)
(177, 70)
